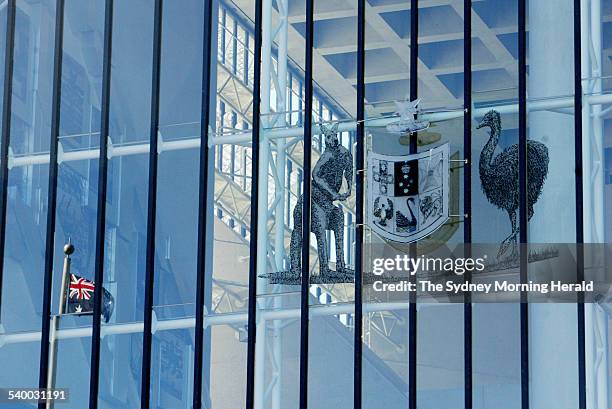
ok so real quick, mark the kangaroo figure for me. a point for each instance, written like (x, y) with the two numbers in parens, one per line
(335, 163)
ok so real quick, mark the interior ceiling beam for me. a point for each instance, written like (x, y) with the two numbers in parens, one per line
(491, 42)
(455, 69)
(374, 45)
(351, 10)
(439, 91)
(324, 15)
(342, 90)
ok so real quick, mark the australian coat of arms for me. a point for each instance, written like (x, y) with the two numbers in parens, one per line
(408, 195)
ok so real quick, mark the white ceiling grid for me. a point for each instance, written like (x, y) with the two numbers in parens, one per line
(494, 55)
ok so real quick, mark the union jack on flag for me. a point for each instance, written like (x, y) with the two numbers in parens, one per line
(80, 300)
(81, 288)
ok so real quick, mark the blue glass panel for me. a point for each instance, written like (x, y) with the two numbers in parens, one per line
(177, 203)
(227, 278)
(496, 356)
(172, 369)
(126, 207)
(552, 330)
(496, 365)
(77, 187)
(27, 188)
(440, 337)
(386, 358)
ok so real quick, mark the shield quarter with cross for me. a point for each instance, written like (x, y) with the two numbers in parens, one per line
(383, 177)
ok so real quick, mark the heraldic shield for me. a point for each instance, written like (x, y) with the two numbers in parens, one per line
(408, 195)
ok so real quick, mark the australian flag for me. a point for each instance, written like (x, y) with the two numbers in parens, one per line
(81, 298)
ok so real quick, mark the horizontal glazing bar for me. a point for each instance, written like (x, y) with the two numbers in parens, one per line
(245, 137)
(210, 320)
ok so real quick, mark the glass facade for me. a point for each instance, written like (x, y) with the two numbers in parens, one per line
(228, 123)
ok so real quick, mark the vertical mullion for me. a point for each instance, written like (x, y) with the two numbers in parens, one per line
(6, 126)
(579, 210)
(467, 196)
(202, 220)
(51, 196)
(252, 303)
(147, 340)
(306, 199)
(412, 310)
(523, 222)
(414, 58)
(101, 208)
(358, 326)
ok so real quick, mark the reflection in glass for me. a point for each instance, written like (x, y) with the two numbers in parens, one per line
(126, 207)
(332, 166)
(496, 356)
(496, 333)
(440, 373)
(27, 186)
(385, 358)
(440, 366)
(172, 368)
(551, 136)
(496, 370)
(177, 202)
(77, 186)
(597, 179)
(330, 361)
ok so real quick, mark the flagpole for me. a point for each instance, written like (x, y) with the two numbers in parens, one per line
(68, 250)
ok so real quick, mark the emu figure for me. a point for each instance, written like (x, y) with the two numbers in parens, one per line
(499, 176)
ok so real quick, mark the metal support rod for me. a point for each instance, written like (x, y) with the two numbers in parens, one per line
(51, 198)
(202, 218)
(306, 206)
(94, 373)
(68, 250)
(467, 197)
(255, 208)
(359, 192)
(5, 138)
(412, 310)
(578, 204)
(147, 338)
(523, 222)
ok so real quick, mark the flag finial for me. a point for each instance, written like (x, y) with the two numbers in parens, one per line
(68, 248)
